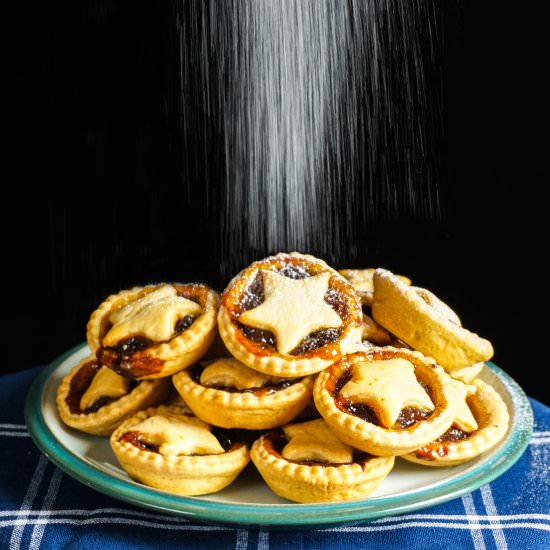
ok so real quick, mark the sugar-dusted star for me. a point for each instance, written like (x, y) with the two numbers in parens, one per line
(292, 309)
(154, 316)
(313, 440)
(464, 419)
(387, 386)
(179, 435)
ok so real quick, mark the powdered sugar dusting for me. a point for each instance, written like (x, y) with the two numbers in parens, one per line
(323, 119)
(538, 475)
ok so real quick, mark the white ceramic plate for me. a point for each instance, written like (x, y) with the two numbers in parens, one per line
(249, 501)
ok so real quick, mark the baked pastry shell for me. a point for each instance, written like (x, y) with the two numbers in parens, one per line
(269, 361)
(493, 419)
(407, 315)
(439, 305)
(183, 475)
(106, 419)
(361, 279)
(318, 483)
(374, 333)
(246, 410)
(163, 358)
(375, 439)
(468, 374)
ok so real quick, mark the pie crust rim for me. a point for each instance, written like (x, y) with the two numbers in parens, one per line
(241, 409)
(363, 278)
(468, 374)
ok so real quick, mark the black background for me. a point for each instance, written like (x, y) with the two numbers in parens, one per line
(93, 199)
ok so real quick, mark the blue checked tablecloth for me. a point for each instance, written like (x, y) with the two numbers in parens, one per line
(41, 507)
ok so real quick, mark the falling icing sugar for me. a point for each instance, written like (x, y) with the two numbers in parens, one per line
(323, 115)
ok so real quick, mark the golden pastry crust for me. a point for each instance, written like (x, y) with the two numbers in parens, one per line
(361, 280)
(155, 359)
(396, 343)
(255, 349)
(255, 409)
(492, 417)
(468, 374)
(374, 333)
(195, 474)
(410, 317)
(317, 482)
(375, 439)
(435, 303)
(109, 416)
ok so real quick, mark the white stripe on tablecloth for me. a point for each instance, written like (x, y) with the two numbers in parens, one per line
(416, 524)
(81, 512)
(477, 535)
(490, 508)
(49, 499)
(541, 441)
(14, 434)
(263, 540)
(242, 539)
(13, 427)
(32, 490)
(115, 520)
(502, 517)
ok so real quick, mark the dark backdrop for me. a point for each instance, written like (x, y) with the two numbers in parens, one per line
(94, 201)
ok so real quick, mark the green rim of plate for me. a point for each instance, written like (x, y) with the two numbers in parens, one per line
(292, 516)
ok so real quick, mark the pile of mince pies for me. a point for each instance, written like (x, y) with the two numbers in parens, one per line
(320, 377)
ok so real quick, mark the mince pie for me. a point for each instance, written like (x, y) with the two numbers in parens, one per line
(481, 421)
(361, 279)
(94, 399)
(154, 331)
(171, 449)
(425, 323)
(227, 393)
(289, 315)
(306, 462)
(386, 401)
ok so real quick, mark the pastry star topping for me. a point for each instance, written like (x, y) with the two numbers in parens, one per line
(464, 419)
(387, 386)
(130, 309)
(230, 372)
(292, 309)
(154, 316)
(179, 435)
(313, 440)
(106, 383)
